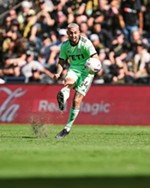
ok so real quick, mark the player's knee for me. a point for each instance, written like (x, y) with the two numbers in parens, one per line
(70, 83)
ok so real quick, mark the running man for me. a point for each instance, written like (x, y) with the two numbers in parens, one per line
(77, 49)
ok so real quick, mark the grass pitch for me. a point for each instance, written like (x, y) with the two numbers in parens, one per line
(89, 157)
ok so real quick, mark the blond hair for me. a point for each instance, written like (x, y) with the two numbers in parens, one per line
(71, 25)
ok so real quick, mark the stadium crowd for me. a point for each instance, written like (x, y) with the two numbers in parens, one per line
(31, 33)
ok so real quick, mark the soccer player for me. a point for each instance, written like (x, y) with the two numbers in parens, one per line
(77, 49)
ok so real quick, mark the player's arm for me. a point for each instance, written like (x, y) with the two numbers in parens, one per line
(47, 72)
(95, 56)
(91, 50)
(59, 68)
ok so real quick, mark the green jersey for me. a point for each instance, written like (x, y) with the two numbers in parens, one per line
(77, 54)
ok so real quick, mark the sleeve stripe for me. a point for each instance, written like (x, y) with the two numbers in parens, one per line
(93, 54)
(62, 59)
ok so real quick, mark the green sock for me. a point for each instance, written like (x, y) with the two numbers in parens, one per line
(73, 114)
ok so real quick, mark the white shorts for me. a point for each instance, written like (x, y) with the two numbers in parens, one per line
(83, 81)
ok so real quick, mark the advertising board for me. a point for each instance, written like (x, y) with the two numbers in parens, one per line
(103, 105)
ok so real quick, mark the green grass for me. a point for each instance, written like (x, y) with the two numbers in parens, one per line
(89, 156)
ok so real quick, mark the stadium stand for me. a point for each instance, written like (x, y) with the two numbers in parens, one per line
(39, 26)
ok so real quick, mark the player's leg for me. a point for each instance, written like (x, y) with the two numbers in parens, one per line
(64, 93)
(74, 111)
(82, 86)
(62, 97)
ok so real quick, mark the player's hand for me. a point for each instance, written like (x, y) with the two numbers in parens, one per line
(56, 76)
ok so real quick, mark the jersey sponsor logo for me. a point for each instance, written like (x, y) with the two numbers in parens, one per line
(76, 57)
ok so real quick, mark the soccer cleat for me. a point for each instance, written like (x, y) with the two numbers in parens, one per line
(62, 134)
(60, 100)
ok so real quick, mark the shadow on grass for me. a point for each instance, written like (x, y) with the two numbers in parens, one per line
(25, 137)
(84, 182)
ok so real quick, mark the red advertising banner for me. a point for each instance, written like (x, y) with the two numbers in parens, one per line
(103, 105)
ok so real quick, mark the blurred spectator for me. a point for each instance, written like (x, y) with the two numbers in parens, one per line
(9, 61)
(42, 25)
(105, 75)
(61, 20)
(147, 20)
(49, 50)
(1, 42)
(54, 37)
(111, 21)
(80, 18)
(36, 76)
(131, 17)
(136, 36)
(43, 7)
(129, 77)
(84, 29)
(96, 42)
(12, 65)
(7, 23)
(30, 21)
(104, 35)
(58, 4)
(12, 68)
(45, 48)
(23, 12)
(141, 58)
(120, 48)
(32, 65)
(96, 17)
(78, 6)
(9, 42)
(13, 14)
(45, 12)
(91, 6)
(15, 26)
(99, 15)
(54, 50)
(118, 55)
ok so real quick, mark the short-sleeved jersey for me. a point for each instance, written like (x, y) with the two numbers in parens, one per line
(77, 54)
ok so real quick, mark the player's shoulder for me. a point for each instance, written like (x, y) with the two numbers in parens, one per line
(84, 39)
(66, 42)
